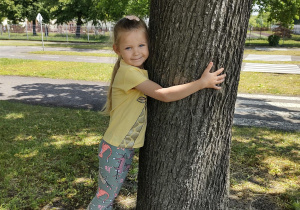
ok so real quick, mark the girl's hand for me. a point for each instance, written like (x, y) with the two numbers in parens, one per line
(211, 80)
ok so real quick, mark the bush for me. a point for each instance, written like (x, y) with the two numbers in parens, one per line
(273, 40)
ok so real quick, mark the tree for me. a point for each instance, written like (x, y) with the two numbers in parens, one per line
(67, 10)
(184, 163)
(19, 11)
(113, 10)
(283, 11)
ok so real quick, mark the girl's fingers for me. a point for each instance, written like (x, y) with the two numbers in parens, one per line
(209, 66)
(217, 87)
(219, 71)
(220, 81)
(222, 76)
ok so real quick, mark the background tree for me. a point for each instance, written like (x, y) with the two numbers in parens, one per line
(185, 161)
(283, 11)
(18, 11)
(138, 7)
(113, 10)
(64, 11)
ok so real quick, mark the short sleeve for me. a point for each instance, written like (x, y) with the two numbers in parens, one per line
(133, 77)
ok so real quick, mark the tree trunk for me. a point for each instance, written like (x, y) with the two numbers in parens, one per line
(185, 161)
(78, 27)
(34, 28)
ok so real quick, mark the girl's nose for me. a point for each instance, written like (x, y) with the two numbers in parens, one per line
(136, 51)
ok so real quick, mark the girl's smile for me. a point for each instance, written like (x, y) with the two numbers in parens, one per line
(133, 47)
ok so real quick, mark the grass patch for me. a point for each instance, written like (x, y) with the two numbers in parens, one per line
(57, 37)
(267, 83)
(95, 46)
(265, 163)
(273, 52)
(74, 53)
(48, 157)
(56, 69)
(264, 42)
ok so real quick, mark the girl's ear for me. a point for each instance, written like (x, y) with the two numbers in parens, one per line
(116, 49)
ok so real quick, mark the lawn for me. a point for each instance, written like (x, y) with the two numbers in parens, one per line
(57, 37)
(56, 69)
(96, 46)
(48, 158)
(74, 53)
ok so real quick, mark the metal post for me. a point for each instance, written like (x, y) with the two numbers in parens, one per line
(46, 32)
(8, 30)
(67, 33)
(88, 33)
(42, 35)
(26, 29)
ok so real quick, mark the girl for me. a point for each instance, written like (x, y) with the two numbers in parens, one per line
(126, 105)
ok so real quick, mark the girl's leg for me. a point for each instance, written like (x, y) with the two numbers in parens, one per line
(114, 164)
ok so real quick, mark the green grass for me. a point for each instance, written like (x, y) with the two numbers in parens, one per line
(275, 52)
(267, 83)
(48, 156)
(57, 37)
(264, 42)
(56, 69)
(96, 46)
(74, 53)
(266, 163)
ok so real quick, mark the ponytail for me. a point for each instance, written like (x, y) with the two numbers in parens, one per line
(108, 105)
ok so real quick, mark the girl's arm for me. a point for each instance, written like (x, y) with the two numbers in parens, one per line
(177, 92)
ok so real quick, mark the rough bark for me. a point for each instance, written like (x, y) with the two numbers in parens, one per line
(185, 161)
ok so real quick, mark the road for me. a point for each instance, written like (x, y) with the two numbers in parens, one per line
(278, 112)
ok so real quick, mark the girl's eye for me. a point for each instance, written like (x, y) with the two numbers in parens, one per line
(127, 48)
(142, 45)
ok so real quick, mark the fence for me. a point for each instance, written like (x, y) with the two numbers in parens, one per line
(70, 32)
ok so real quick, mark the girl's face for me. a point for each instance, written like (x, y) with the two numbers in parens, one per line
(133, 47)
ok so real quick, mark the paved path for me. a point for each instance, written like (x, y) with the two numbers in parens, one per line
(23, 52)
(277, 112)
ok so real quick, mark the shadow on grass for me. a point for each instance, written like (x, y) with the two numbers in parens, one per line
(264, 168)
(48, 154)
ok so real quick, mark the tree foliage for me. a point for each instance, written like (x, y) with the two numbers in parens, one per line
(68, 10)
(18, 11)
(113, 10)
(283, 11)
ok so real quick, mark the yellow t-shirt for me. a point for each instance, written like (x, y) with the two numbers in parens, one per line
(128, 117)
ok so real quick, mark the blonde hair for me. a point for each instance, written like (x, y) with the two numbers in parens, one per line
(123, 25)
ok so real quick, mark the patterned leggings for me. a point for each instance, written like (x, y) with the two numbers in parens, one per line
(114, 164)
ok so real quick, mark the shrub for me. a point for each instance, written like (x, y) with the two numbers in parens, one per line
(273, 40)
